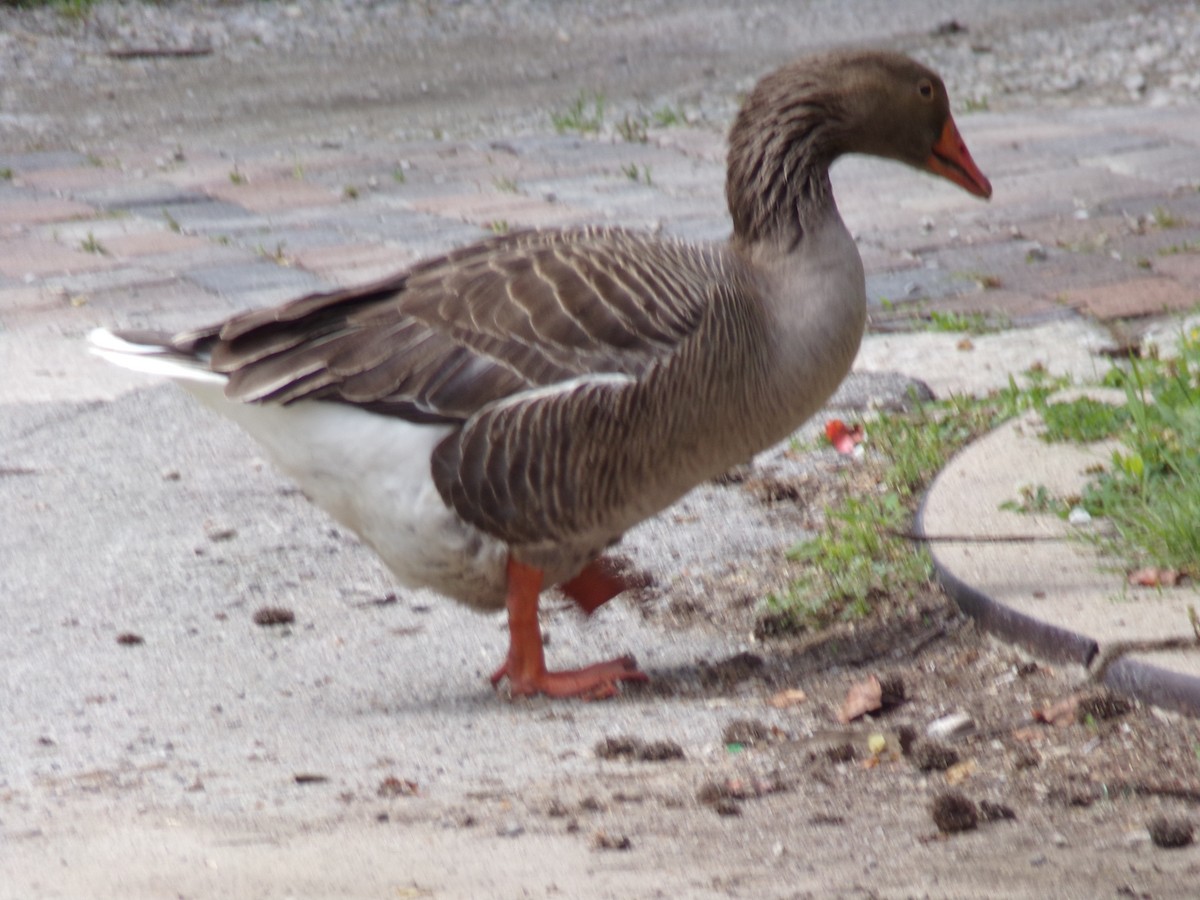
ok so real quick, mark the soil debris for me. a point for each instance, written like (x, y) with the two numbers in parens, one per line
(273, 615)
(1170, 833)
(1101, 706)
(397, 787)
(602, 840)
(129, 639)
(625, 747)
(746, 732)
(933, 756)
(990, 811)
(953, 812)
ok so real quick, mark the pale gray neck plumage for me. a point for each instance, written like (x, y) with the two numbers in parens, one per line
(777, 185)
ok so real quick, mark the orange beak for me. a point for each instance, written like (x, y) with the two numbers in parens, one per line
(952, 160)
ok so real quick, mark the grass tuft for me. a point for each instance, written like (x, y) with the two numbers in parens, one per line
(861, 553)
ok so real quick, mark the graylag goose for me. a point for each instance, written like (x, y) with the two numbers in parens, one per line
(491, 420)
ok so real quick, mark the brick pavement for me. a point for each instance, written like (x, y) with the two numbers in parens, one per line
(1096, 212)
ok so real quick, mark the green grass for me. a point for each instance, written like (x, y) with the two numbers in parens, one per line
(1151, 490)
(71, 9)
(1164, 218)
(861, 554)
(636, 173)
(667, 116)
(1083, 420)
(91, 245)
(633, 129)
(584, 116)
(959, 323)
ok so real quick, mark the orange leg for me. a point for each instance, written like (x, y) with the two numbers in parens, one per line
(600, 581)
(525, 666)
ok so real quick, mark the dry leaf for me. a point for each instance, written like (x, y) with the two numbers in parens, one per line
(1061, 713)
(1028, 735)
(965, 344)
(789, 697)
(960, 772)
(1153, 577)
(862, 698)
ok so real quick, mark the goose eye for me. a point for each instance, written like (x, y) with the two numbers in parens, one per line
(925, 88)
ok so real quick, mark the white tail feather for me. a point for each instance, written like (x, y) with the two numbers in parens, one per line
(151, 359)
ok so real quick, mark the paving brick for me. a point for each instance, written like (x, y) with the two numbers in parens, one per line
(32, 257)
(350, 264)
(1096, 232)
(1000, 307)
(256, 283)
(269, 195)
(1061, 191)
(146, 197)
(1170, 165)
(157, 242)
(515, 209)
(33, 162)
(1183, 267)
(36, 210)
(423, 233)
(209, 217)
(698, 143)
(82, 285)
(19, 301)
(1131, 299)
(915, 284)
(68, 181)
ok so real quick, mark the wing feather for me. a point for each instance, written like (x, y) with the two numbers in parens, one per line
(479, 324)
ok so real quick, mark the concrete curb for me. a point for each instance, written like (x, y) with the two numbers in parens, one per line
(1023, 579)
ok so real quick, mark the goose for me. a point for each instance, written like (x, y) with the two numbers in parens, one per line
(492, 420)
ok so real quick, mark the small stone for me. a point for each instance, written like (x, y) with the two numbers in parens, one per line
(954, 725)
(1079, 516)
(1135, 83)
(510, 829)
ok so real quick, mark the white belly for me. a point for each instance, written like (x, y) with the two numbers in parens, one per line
(372, 474)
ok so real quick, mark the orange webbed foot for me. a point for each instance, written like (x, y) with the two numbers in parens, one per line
(596, 682)
(525, 665)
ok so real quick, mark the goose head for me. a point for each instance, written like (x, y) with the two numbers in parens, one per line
(800, 118)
